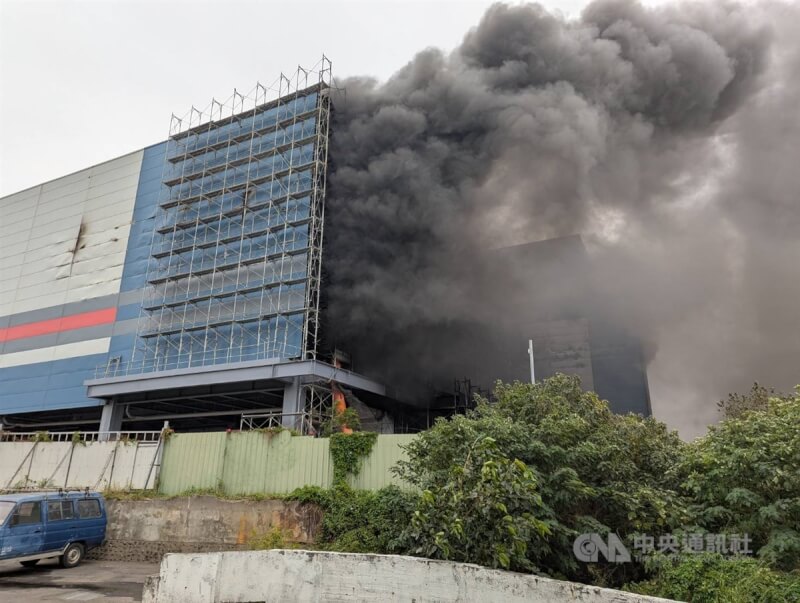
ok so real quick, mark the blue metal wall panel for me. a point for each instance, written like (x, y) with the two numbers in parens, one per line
(47, 385)
(141, 234)
(128, 311)
(137, 257)
(59, 384)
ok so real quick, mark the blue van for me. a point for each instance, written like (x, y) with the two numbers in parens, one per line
(36, 526)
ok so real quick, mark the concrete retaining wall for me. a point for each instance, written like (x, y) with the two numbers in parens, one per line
(280, 575)
(145, 530)
(97, 465)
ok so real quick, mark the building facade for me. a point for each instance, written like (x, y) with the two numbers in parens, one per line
(73, 264)
(181, 281)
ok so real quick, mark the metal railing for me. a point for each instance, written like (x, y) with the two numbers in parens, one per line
(80, 436)
(301, 421)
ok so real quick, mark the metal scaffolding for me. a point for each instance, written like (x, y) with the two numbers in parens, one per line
(235, 260)
(318, 400)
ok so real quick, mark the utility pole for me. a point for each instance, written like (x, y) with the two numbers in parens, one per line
(530, 353)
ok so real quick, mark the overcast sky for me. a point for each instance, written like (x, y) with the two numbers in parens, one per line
(83, 82)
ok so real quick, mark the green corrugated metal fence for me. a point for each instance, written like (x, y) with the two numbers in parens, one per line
(264, 463)
(375, 470)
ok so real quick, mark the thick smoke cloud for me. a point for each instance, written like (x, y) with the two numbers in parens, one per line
(668, 138)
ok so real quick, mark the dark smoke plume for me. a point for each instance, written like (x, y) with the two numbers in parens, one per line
(669, 138)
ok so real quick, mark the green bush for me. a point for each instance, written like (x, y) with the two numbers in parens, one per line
(711, 578)
(485, 513)
(360, 521)
(595, 471)
(274, 539)
(744, 477)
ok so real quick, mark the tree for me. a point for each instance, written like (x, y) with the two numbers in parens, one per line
(594, 471)
(744, 477)
(737, 404)
(484, 512)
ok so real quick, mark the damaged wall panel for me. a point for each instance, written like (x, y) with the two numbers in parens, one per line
(62, 253)
(65, 240)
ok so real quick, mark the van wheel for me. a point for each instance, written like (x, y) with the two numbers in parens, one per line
(29, 563)
(72, 556)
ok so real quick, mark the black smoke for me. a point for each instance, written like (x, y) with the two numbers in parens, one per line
(669, 138)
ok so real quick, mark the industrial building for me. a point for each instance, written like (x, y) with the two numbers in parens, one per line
(182, 283)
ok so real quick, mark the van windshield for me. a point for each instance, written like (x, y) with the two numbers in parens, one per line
(5, 510)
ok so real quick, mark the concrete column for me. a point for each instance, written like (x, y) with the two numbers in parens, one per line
(111, 419)
(292, 403)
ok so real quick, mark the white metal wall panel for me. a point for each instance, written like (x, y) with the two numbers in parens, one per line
(40, 263)
(97, 465)
(55, 352)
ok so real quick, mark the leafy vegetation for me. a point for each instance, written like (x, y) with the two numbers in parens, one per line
(484, 512)
(756, 399)
(744, 477)
(116, 494)
(274, 539)
(272, 431)
(594, 471)
(589, 470)
(348, 449)
(348, 452)
(712, 578)
(339, 421)
(360, 521)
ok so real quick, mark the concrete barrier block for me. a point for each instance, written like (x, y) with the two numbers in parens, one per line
(293, 575)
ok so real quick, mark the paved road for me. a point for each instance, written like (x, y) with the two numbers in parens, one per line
(114, 581)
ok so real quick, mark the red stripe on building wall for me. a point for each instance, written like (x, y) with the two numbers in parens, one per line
(56, 325)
